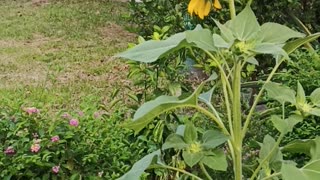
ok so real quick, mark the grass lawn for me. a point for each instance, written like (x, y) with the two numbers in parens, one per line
(58, 55)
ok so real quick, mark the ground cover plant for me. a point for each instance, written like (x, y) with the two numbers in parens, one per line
(58, 84)
(191, 150)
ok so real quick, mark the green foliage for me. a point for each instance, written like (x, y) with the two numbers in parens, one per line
(173, 13)
(140, 166)
(194, 151)
(310, 170)
(148, 111)
(284, 12)
(304, 68)
(162, 13)
(241, 40)
(152, 50)
(89, 149)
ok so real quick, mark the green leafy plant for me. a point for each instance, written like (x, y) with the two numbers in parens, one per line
(71, 146)
(240, 42)
(163, 77)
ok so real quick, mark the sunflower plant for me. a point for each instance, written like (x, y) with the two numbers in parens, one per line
(240, 42)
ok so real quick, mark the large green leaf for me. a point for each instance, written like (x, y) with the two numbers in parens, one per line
(245, 25)
(202, 38)
(280, 93)
(213, 138)
(311, 171)
(220, 42)
(190, 133)
(174, 141)
(276, 157)
(310, 147)
(180, 129)
(148, 111)
(293, 45)
(192, 158)
(315, 111)
(315, 97)
(276, 33)
(315, 149)
(299, 146)
(285, 125)
(150, 51)
(226, 33)
(301, 97)
(139, 167)
(269, 48)
(266, 146)
(216, 161)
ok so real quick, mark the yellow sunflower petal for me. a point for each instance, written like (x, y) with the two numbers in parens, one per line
(192, 5)
(201, 9)
(216, 4)
(207, 8)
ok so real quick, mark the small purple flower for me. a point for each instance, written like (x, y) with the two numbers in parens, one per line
(55, 169)
(66, 116)
(55, 139)
(74, 122)
(9, 151)
(97, 114)
(35, 148)
(32, 110)
(80, 113)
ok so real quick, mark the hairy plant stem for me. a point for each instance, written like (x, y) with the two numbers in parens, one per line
(253, 107)
(236, 112)
(175, 169)
(232, 9)
(255, 173)
(227, 101)
(222, 73)
(205, 171)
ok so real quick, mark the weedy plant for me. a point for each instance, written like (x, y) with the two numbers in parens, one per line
(240, 42)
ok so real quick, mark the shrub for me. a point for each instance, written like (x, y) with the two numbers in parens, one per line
(87, 144)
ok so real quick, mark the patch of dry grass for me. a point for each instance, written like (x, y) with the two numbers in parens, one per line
(70, 62)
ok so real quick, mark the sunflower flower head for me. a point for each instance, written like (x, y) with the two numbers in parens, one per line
(202, 7)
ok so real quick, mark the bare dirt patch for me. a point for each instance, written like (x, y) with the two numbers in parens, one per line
(116, 35)
(109, 70)
(16, 63)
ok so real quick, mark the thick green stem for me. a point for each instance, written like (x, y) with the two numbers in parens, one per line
(253, 107)
(227, 101)
(205, 171)
(255, 173)
(232, 9)
(236, 112)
